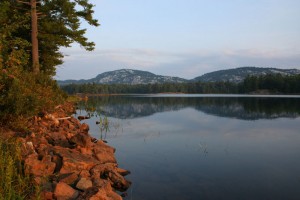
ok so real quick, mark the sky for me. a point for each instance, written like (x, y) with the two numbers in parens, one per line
(187, 38)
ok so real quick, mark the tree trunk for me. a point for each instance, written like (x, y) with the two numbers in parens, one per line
(34, 38)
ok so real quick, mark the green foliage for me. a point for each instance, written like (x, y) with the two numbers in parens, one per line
(14, 184)
(23, 94)
(192, 88)
(274, 83)
(13, 47)
(59, 26)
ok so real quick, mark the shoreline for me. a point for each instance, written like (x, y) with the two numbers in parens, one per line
(66, 162)
(261, 92)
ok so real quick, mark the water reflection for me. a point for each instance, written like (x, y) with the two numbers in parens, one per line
(202, 149)
(246, 108)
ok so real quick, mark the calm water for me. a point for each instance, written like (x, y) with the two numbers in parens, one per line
(204, 147)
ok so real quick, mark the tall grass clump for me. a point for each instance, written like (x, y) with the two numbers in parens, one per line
(14, 184)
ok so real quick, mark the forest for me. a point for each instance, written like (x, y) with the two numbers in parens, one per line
(270, 83)
(31, 35)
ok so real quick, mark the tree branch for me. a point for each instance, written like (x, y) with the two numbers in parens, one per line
(24, 2)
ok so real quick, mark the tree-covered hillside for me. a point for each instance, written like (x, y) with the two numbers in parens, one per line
(237, 75)
(127, 76)
(269, 83)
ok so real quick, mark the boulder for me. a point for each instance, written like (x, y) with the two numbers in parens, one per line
(46, 195)
(69, 178)
(106, 193)
(105, 157)
(64, 191)
(66, 162)
(85, 174)
(74, 161)
(123, 172)
(38, 167)
(104, 153)
(81, 140)
(87, 151)
(84, 184)
(84, 128)
(110, 172)
(101, 145)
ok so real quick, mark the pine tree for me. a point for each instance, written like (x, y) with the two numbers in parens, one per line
(47, 25)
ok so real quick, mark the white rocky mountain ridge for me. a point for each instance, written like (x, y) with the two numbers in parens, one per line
(134, 77)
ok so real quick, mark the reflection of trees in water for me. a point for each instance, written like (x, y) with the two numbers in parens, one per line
(234, 107)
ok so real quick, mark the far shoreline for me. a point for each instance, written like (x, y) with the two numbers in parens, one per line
(178, 94)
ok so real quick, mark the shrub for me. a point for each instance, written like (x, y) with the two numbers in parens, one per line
(23, 94)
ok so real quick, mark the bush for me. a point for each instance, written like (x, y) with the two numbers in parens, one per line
(23, 94)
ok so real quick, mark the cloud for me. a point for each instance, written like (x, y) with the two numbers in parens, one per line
(83, 65)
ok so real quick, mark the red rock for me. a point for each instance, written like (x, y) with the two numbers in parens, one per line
(46, 195)
(104, 153)
(106, 193)
(81, 140)
(119, 182)
(123, 172)
(43, 150)
(64, 191)
(38, 167)
(87, 151)
(75, 122)
(74, 161)
(69, 135)
(91, 166)
(84, 184)
(100, 145)
(71, 126)
(105, 157)
(69, 179)
(27, 148)
(44, 123)
(55, 121)
(98, 182)
(84, 128)
(85, 174)
(109, 172)
(81, 117)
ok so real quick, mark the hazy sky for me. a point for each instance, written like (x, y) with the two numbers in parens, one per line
(187, 38)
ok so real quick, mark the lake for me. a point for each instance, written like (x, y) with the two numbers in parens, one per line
(203, 146)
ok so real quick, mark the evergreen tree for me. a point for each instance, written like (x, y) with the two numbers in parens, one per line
(58, 26)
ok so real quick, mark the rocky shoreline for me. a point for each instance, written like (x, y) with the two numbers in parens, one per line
(66, 162)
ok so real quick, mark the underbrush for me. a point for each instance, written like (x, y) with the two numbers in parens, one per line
(23, 94)
(14, 184)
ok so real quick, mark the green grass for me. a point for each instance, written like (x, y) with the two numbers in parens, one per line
(14, 184)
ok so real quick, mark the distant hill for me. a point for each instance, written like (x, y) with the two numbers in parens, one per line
(239, 74)
(133, 77)
(127, 76)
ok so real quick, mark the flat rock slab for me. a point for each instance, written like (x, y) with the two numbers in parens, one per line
(74, 161)
(63, 192)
